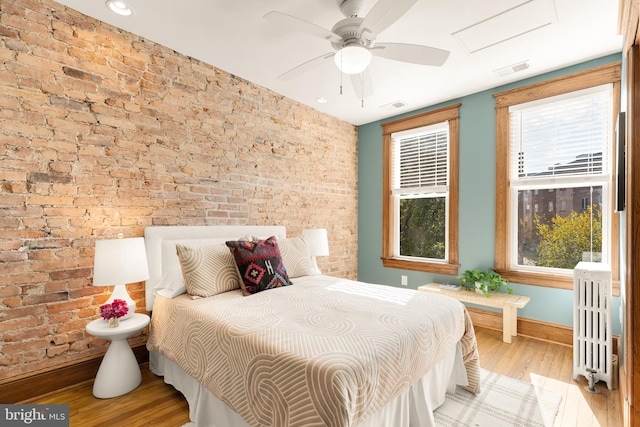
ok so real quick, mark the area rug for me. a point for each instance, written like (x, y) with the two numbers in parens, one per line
(503, 402)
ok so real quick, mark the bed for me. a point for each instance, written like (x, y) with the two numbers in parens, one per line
(324, 351)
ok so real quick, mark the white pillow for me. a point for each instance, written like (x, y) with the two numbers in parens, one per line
(297, 258)
(172, 282)
(208, 270)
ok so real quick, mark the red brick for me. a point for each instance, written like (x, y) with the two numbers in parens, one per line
(58, 307)
(25, 346)
(57, 350)
(44, 298)
(24, 335)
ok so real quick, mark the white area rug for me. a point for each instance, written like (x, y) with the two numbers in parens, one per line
(503, 402)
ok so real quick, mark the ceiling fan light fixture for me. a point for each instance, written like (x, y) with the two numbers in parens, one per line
(352, 59)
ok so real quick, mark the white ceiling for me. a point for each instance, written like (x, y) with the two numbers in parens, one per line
(233, 36)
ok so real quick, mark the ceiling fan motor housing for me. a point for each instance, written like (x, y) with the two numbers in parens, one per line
(348, 30)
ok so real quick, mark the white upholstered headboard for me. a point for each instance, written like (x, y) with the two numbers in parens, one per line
(160, 245)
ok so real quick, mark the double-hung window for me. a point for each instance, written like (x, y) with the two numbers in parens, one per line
(554, 149)
(420, 192)
(557, 143)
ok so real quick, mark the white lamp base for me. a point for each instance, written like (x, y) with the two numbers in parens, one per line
(120, 292)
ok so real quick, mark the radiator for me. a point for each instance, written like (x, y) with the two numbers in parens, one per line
(592, 340)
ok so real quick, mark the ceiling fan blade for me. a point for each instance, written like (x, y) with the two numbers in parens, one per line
(412, 53)
(305, 67)
(362, 84)
(297, 24)
(383, 14)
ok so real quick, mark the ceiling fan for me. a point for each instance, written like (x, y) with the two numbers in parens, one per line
(354, 41)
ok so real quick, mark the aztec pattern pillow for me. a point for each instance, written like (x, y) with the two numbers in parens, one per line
(208, 270)
(297, 258)
(260, 265)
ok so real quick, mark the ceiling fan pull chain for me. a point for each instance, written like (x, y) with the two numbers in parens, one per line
(341, 73)
(361, 91)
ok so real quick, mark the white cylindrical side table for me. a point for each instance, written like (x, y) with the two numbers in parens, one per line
(119, 372)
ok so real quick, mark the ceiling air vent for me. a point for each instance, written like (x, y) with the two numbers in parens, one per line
(511, 69)
(394, 104)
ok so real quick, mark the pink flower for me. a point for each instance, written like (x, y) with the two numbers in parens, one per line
(116, 309)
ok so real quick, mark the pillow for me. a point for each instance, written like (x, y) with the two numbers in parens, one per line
(259, 264)
(207, 270)
(297, 258)
(172, 282)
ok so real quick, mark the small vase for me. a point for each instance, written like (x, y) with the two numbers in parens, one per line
(114, 322)
(480, 288)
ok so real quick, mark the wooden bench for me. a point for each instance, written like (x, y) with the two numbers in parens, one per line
(509, 304)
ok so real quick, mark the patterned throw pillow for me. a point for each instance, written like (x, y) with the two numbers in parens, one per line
(260, 265)
(296, 257)
(208, 270)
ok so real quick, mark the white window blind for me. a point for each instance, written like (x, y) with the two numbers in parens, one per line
(421, 163)
(562, 138)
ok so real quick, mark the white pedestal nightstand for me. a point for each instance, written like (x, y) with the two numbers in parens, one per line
(119, 372)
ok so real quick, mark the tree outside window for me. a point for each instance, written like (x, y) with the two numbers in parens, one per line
(420, 175)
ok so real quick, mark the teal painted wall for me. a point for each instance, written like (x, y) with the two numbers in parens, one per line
(477, 203)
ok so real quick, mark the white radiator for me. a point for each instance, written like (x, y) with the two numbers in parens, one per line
(592, 341)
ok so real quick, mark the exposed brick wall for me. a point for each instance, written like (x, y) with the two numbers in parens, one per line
(103, 132)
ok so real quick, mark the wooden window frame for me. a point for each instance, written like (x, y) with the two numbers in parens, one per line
(452, 115)
(605, 74)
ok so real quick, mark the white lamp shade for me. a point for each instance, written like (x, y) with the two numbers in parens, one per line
(352, 59)
(120, 261)
(317, 241)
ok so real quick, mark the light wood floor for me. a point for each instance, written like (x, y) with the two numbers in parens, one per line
(548, 365)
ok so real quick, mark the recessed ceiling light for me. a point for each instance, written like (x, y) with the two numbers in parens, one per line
(321, 99)
(119, 7)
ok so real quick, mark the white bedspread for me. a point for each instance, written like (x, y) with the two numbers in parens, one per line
(323, 352)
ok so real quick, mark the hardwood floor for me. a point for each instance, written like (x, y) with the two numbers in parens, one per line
(546, 364)
(550, 366)
(153, 403)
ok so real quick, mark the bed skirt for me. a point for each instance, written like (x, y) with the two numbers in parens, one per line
(412, 408)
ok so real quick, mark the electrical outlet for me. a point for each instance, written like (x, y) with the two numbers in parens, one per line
(404, 281)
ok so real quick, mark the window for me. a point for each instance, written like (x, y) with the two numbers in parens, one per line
(584, 203)
(420, 200)
(556, 135)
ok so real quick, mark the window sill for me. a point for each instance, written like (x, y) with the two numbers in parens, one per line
(430, 267)
(557, 281)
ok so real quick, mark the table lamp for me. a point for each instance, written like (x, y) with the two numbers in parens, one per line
(317, 242)
(118, 262)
